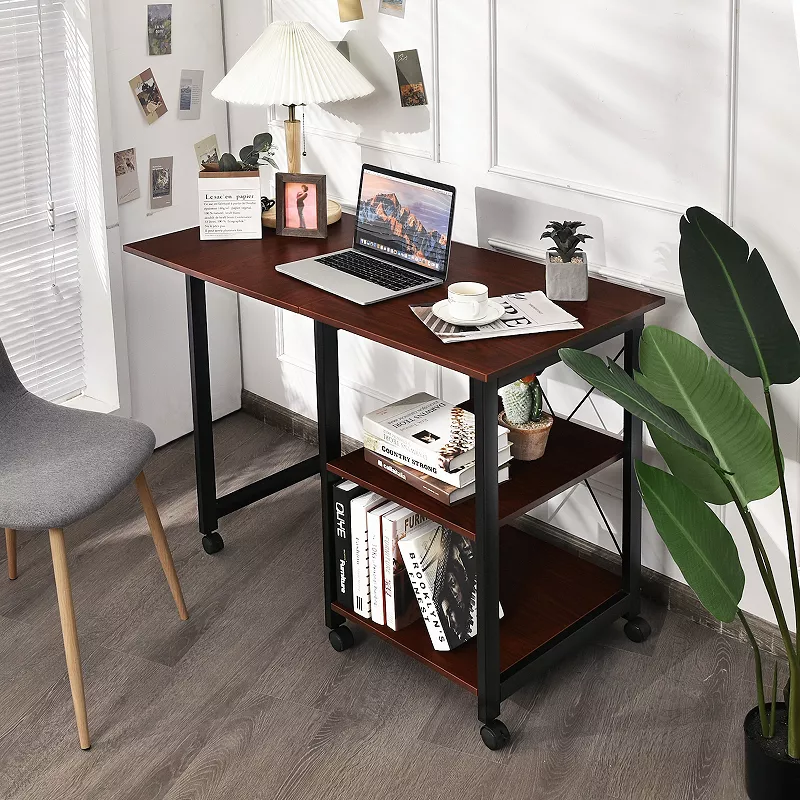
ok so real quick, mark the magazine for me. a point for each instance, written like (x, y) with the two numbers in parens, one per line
(525, 312)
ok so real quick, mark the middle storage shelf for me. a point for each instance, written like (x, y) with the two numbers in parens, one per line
(574, 452)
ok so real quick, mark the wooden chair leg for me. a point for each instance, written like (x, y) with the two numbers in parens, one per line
(11, 552)
(70, 632)
(160, 539)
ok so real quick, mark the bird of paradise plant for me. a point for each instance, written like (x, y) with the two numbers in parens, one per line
(718, 447)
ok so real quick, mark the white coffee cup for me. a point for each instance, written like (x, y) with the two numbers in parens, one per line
(468, 300)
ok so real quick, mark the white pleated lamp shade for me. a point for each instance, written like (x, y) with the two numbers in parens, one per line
(291, 63)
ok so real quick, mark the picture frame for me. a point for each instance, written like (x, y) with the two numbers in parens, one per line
(301, 205)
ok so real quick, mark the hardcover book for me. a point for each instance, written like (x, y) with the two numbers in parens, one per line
(443, 492)
(460, 478)
(374, 528)
(343, 493)
(441, 566)
(430, 431)
(359, 508)
(400, 604)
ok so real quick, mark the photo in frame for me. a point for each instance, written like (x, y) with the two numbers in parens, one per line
(301, 205)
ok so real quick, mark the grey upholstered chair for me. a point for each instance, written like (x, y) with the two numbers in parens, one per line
(57, 466)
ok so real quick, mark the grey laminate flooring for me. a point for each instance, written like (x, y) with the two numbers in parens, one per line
(248, 700)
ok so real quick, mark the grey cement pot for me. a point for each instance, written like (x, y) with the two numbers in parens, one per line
(569, 282)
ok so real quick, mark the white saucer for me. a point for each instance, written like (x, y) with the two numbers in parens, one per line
(442, 310)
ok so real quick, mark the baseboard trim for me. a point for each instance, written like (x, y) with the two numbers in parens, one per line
(661, 589)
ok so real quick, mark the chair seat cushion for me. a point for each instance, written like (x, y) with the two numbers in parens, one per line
(58, 464)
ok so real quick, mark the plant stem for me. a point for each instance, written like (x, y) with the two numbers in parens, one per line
(762, 706)
(774, 701)
(787, 514)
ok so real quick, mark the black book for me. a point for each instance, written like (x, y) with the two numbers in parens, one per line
(343, 493)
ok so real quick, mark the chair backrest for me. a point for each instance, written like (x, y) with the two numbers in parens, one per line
(10, 385)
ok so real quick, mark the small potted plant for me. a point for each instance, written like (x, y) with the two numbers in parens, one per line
(566, 266)
(528, 425)
(251, 156)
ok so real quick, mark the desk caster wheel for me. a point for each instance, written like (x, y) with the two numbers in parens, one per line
(213, 543)
(637, 629)
(495, 735)
(341, 638)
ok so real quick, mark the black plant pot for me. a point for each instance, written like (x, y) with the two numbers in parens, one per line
(769, 772)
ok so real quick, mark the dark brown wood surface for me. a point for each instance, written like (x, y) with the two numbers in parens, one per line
(543, 590)
(247, 267)
(573, 453)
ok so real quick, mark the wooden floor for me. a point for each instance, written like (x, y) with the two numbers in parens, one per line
(248, 700)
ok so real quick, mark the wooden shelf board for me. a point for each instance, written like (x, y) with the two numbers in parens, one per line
(543, 590)
(573, 453)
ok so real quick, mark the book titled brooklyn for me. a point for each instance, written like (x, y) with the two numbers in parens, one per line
(430, 431)
(441, 567)
(443, 492)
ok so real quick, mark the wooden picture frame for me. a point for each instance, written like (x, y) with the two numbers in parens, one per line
(301, 205)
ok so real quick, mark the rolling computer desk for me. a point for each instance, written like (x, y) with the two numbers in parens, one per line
(552, 600)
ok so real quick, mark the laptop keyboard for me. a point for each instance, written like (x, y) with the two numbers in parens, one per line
(372, 270)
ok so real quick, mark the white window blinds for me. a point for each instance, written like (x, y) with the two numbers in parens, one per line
(40, 311)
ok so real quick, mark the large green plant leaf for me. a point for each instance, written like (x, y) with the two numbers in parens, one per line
(703, 479)
(678, 373)
(732, 296)
(614, 382)
(701, 545)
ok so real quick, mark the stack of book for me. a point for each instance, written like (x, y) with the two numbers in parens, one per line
(395, 566)
(429, 444)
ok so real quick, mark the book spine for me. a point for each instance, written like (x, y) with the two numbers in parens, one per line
(395, 578)
(414, 456)
(343, 547)
(361, 604)
(399, 470)
(375, 569)
(389, 539)
(424, 594)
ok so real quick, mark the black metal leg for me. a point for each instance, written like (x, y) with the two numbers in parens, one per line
(330, 447)
(631, 501)
(487, 548)
(201, 408)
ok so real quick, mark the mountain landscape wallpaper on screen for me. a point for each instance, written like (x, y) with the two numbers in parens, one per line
(413, 220)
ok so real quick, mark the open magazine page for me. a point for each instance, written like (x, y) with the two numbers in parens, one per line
(525, 312)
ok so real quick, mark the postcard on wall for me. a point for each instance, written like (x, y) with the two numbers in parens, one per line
(395, 8)
(409, 78)
(350, 10)
(190, 94)
(146, 91)
(127, 175)
(159, 29)
(230, 205)
(161, 182)
(207, 150)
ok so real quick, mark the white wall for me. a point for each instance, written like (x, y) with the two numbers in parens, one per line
(638, 111)
(155, 300)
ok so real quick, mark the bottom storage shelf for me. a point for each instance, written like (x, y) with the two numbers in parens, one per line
(544, 591)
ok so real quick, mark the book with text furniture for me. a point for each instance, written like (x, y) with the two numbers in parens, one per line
(431, 432)
(443, 492)
(400, 604)
(374, 530)
(343, 493)
(359, 508)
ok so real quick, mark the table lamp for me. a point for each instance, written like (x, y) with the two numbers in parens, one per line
(291, 64)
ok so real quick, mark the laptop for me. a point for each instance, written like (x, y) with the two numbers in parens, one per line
(401, 244)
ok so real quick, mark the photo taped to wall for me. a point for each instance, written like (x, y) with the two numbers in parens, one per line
(409, 79)
(161, 182)
(146, 91)
(126, 175)
(395, 8)
(159, 29)
(207, 151)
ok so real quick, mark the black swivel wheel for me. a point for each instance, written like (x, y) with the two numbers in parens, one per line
(341, 638)
(212, 543)
(495, 735)
(637, 629)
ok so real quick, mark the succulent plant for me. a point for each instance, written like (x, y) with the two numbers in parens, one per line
(251, 155)
(522, 401)
(566, 238)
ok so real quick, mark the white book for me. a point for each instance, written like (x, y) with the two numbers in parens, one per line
(400, 603)
(374, 527)
(359, 508)
(432, 432)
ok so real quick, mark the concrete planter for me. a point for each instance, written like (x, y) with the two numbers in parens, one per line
(568, 282)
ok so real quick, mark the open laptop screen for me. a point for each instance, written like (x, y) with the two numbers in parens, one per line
(404, 219)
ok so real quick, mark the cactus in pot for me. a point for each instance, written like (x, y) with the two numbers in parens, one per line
(528, 425)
